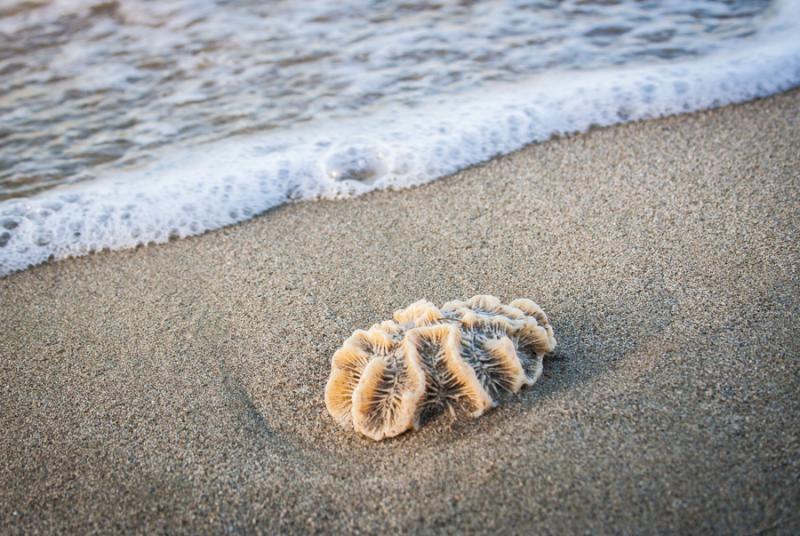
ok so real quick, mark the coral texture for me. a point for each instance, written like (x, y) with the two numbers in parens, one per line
(467, 354)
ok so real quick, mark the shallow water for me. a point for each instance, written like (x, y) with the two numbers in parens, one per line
(172, 118)
(88, 86)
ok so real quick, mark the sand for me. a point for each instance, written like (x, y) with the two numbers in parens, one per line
(179, 387)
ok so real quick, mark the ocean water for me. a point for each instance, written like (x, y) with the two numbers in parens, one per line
(133, 122)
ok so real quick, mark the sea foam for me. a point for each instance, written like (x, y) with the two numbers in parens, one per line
(192, 190)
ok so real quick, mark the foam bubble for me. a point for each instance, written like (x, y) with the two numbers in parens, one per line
(221, 183)
(362, 163)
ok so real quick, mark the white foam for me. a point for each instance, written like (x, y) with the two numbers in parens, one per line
(196, 190)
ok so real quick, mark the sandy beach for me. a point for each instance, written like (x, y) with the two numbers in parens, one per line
(179, 388)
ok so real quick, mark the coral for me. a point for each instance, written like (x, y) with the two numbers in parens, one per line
(465, 355)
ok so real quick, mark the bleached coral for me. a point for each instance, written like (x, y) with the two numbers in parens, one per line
(465, 354)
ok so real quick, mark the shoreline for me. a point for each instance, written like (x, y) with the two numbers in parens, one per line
(179, 387)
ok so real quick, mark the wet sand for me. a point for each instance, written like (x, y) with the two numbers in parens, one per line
(179, 387)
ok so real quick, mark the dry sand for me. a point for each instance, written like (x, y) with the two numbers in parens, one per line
(180, 387)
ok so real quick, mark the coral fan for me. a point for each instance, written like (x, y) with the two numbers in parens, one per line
(466, 354)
